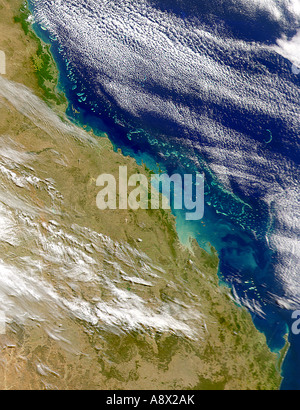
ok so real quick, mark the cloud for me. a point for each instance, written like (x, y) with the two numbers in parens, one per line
(289, 49)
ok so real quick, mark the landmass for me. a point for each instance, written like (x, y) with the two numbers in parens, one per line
(224, 351)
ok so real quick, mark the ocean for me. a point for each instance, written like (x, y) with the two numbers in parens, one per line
(204, 86)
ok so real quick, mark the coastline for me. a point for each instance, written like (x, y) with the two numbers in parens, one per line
(171, 240)
(282, 354)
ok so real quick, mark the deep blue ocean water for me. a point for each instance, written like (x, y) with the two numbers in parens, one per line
(204, 92)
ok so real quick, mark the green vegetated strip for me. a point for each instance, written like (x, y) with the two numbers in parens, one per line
(43, 62)
(224, 354)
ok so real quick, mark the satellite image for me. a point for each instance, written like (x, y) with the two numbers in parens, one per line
(149, 196)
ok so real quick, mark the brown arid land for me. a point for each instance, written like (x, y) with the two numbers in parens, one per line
(100, 299)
